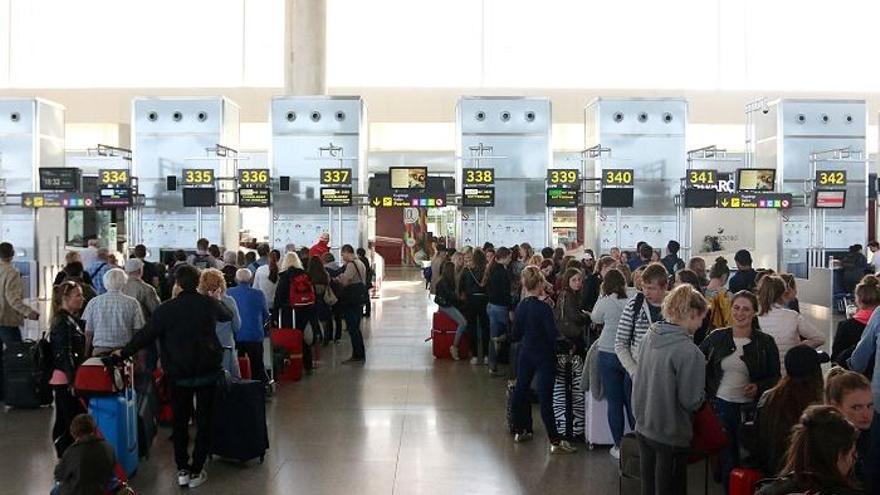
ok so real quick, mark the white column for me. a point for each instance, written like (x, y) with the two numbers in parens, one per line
(305, 47)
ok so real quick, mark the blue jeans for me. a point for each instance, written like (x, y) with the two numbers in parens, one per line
(353, 324)
(455, 314)
(8, 335)
(529, 365)
(497, 327)
(729, 415)
(617, 387)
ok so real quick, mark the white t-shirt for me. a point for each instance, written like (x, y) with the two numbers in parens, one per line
(262, 282)
(736, 375)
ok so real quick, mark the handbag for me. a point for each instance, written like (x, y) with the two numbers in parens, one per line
(330, 298)
(709, 436)
(98, 376)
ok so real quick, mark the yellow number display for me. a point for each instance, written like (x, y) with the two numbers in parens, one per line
(622, 177)
(563, 177)
(114, 177)
(336, 176)
(702, 177)
(831, 178)
(480, 176)
(198, 176)
(256, 176)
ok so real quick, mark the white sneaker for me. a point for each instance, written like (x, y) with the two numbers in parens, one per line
(454, 352)
(183, 478)
(475, 360)
(522, 437)
(199, 479)
(615, 452)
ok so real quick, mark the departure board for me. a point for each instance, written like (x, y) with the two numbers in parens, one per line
(254, 197)
(562, 197)
(59, 179)
(336, 196)
(478, 196)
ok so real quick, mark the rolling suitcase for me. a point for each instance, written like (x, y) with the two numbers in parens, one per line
(629, 473)
(117, 418)
(568, 401)
(238, 429)
(244, 367)
(743, 481)
(443, 336)
(596, 429)
(26, 384)
(290, 342)
(147, 411)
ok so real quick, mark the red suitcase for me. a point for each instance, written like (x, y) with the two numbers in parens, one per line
(743, 480)
(244, 367)
(441, 341)
(291, 340)
(444, 322)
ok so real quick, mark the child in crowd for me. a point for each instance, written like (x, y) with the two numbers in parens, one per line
(87, 465)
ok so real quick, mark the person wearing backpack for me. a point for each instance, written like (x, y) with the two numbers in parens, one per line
(68, 341)
(295, 295)
(638, 315)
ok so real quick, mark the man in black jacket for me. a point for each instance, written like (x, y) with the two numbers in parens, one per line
(192, 359)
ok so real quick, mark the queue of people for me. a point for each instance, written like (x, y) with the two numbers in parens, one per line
(673, 338)
(196, 315)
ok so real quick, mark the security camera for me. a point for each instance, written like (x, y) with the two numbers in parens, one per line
(505, 116)
(316, 116)
(202, 116)
(481, 116)
(15, 117)
(340, 116)
(152, 116)
(530, 116)
(177, 116)
(618, 117)
(291, 116)
(643, 117)
(667, 117)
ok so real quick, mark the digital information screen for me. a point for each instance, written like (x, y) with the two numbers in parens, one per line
(253, 178)
(830, 178)
(830, 199)
(115, 196)
(408, 177)
(478, 176)
(562, 197)
(755, 179)
(778, 201)
(335, 176)
(198, 176)
(254, 197)
(336, 196)
(618, 177)
(700, 198)
(617, 197)
(568, 177)
(701, 177)
(478, 196)
(59, 179)
(114, 177)
(57, 200)
(199, 197)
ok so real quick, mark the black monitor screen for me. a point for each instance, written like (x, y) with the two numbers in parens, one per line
(700, 198)
(617, 197)
(205, 197)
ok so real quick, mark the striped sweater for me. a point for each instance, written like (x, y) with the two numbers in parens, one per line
(627, 339)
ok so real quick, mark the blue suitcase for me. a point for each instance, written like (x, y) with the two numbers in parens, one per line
(117, 418)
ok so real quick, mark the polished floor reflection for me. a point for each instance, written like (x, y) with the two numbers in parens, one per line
(401, 424)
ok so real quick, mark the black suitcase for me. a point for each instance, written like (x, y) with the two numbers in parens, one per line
(569, 408)
(239, 429)
(630, 466)
(26, 383)
(148, 411)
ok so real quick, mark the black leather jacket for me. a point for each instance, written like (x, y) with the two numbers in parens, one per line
(760, 355)
(68, 341)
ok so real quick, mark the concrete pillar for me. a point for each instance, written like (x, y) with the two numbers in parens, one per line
(305, 47)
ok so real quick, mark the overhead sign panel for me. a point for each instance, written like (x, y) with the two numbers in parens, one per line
(199, 176)
(701, 177)
(57, 200)
(778, 201)
(336, 196)
(478, 196)
(478, 176)
(335, 176)
(59, 179)
(562, 197)
(831, 178)
(114, 177)
(618, 177)
(563, 177)
(254, 178)
(254, 197)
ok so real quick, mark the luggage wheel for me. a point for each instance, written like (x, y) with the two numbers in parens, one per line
(591, 446)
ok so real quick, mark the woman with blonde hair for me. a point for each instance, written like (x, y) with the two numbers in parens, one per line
(295, 295)
(668, 388)
(212, 280)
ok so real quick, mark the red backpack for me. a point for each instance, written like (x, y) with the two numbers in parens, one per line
(302, 294)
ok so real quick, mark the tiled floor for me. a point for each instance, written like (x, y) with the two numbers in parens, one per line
(401, 424)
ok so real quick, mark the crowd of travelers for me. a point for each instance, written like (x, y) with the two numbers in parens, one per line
(191, 316)
(671, 339)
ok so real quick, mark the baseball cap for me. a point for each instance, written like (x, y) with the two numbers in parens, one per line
(802, 361)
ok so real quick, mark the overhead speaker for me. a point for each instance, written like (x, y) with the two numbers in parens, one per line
(171, 183)
(284, 183)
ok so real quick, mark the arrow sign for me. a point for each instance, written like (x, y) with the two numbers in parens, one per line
(724, 202)
(376, 201)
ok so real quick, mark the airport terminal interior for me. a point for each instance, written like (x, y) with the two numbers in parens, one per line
(438, 246)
